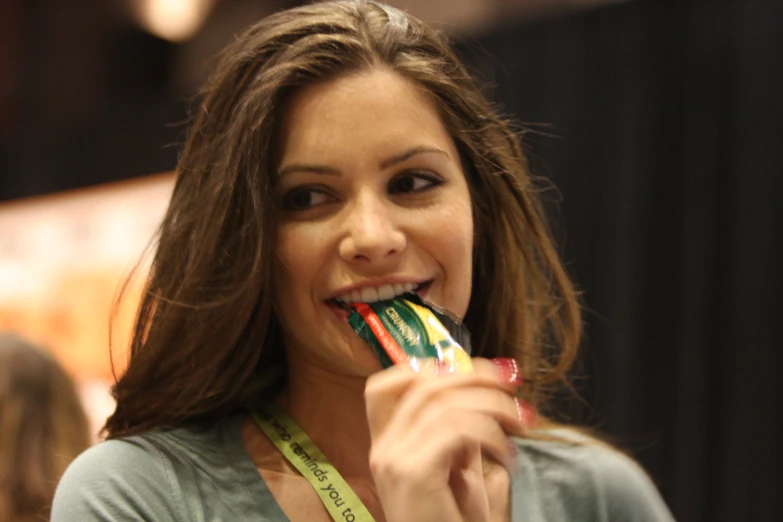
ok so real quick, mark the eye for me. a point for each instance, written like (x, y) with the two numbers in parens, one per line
(413, 182)
(304, 198)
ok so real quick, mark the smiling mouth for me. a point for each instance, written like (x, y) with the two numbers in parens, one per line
(375, 294)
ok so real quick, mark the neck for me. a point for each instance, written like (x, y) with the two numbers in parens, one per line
(330, 409)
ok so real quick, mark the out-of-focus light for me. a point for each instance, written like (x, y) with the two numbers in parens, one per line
(173, 20)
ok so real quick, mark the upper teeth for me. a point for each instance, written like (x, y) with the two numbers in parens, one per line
(370, 294)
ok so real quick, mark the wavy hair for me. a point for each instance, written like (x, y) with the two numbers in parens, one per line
(206, 324)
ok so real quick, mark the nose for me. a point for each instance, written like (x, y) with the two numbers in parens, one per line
(372, 233)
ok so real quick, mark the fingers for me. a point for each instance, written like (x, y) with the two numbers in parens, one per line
(382, 394)
(386, 390)
(433, 432)
(444, 440)
(460, 432)
(505, 369)
(462, 393)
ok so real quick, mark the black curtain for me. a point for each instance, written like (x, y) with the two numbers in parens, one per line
(668, 132)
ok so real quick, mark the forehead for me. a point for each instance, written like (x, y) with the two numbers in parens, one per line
(366, 114)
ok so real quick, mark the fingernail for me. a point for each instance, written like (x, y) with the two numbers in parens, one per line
(527, 414)
(508, 370)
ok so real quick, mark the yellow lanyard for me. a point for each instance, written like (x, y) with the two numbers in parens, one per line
(337, 496)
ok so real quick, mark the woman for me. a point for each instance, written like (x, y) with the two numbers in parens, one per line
(342, 152)
(43, 427)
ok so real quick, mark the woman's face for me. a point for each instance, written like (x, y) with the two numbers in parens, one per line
(372, 198)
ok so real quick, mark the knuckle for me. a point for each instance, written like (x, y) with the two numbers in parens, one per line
(378, 463)
(385, 381)
(384, 464)
(484, 367)
(371, 389)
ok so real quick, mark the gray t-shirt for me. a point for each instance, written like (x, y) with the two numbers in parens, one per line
(194, 474)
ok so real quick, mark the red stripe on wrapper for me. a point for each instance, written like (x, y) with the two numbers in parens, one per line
(393, 350)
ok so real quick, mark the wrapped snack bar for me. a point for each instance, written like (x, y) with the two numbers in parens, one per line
(406, 330)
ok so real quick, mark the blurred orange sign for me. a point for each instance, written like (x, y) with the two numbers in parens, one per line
(62, 261)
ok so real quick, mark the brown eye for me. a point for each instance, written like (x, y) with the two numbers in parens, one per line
(413, 182)
(304, 198)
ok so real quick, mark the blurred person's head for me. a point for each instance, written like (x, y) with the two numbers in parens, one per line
(43, 427)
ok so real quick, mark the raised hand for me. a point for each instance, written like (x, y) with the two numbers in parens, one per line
(438, 439)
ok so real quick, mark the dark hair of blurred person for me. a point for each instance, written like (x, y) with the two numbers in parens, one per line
(43, 427)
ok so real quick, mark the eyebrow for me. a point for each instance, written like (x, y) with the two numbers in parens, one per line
(385, 164)
(408, 154)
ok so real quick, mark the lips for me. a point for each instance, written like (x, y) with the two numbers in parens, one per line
(371, 294)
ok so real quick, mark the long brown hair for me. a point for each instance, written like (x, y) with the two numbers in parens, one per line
(43, 427)
(206, 325)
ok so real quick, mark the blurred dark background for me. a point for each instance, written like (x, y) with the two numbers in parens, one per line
(660, 122)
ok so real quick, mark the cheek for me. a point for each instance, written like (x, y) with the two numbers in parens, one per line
(452, 239)
(458, 237)
(462, 248)
(298, 262)
(460, 221)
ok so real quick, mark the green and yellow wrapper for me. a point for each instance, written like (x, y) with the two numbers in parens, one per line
(405, 330)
